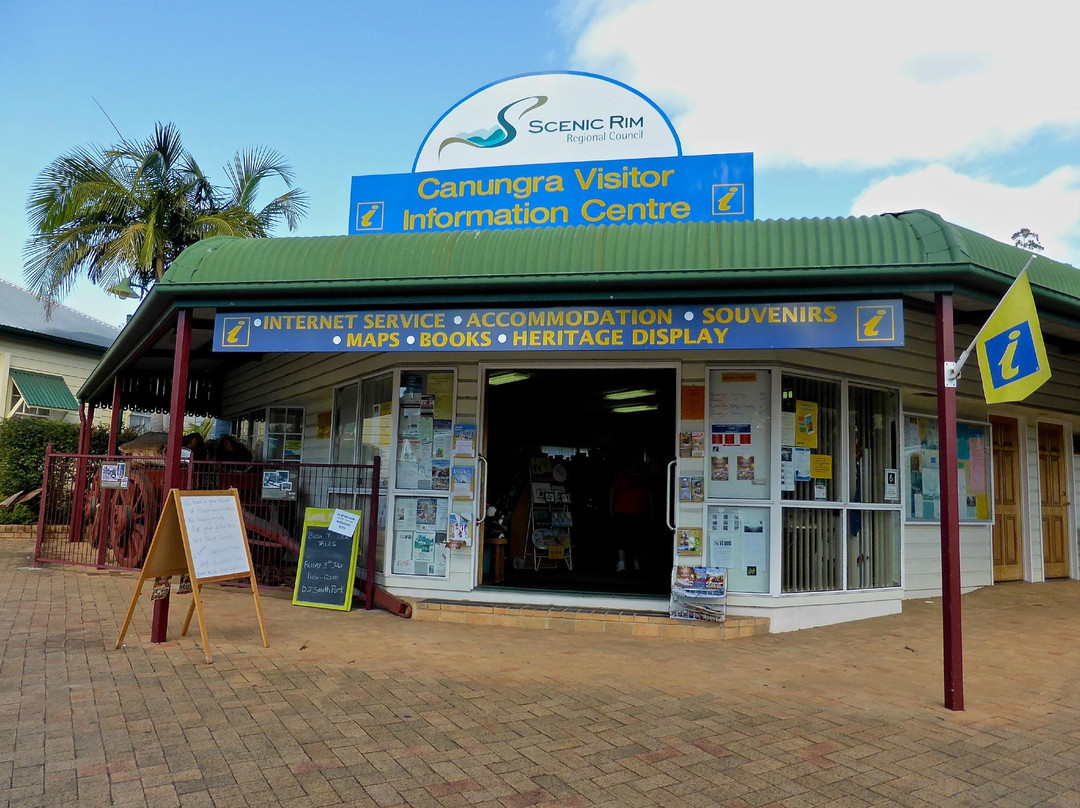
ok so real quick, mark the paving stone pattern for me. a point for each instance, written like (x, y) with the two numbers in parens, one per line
(367, 709)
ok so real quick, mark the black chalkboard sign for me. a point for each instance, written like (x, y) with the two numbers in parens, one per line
(327, 566)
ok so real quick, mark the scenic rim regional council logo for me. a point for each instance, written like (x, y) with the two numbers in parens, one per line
(500, 135)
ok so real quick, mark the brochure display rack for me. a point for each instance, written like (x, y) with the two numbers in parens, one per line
(550, 518)
(699, 593)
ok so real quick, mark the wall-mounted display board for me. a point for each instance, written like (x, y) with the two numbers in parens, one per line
(739, 450)
(922, 474)
(425, 431)
(421, 527)
(200, 534)
(327, 566)
(737, 540)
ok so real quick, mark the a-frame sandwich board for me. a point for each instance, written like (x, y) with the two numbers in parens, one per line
(202, 534)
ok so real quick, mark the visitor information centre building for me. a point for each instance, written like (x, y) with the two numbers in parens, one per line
(766, 391)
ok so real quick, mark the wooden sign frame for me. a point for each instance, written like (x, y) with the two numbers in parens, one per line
(322, 518)
(180, 547)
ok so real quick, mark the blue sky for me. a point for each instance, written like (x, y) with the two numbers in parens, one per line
(850, 107)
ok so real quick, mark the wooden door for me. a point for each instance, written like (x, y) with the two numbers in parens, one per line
(1055, 501)
(1007, 533)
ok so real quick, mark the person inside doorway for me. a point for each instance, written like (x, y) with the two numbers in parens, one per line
(630, 508)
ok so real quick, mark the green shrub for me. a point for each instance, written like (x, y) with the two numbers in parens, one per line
(22, 448)
(17, 515)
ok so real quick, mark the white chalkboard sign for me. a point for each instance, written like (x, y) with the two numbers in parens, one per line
(215, 535)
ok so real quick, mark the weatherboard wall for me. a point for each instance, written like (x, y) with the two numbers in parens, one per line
(35, 357)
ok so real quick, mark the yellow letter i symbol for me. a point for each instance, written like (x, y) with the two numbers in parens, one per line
(1008, 370)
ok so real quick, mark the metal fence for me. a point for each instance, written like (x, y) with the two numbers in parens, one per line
(93, 517)
(83, 521)
(273, 498)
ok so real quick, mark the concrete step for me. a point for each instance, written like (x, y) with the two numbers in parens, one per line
(588, 621)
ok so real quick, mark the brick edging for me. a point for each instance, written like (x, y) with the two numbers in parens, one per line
(18, 532)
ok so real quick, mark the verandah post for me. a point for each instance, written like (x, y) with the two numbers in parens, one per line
(952, 640)
(177, 399)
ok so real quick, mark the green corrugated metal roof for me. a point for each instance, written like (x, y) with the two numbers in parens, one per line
(679, 252)
(894, 253)
(44, 390)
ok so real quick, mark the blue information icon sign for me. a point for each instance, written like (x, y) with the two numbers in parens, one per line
(1011, 355)
(236, 332)
(875, 323)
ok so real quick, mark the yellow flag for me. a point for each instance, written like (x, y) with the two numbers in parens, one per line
(1012, 356)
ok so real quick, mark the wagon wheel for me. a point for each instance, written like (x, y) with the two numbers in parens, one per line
(132, 520)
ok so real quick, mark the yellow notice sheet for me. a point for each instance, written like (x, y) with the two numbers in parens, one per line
(821, 467)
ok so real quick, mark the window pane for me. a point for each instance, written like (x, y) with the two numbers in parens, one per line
(922, 481)
(811, 412)
(740, 419)
(284, 433)
(873, 549)
(343, 444)
(874, 417)
(812, 547)
(375, 420)
(258, 434)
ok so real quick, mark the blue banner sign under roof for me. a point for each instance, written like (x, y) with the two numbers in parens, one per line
(715, 187)
(830, 324)
(551, 117)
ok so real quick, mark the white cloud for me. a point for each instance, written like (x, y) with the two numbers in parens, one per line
(842, 82)
(1050, 207)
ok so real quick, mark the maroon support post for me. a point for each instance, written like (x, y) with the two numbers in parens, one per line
(373, 535)
(105, 495)
(173, 444)
(85, 448)
(952, 639)
(114, 423)
(44, 499)
(78, 501)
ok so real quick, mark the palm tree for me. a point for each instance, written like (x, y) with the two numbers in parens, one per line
(125, 213)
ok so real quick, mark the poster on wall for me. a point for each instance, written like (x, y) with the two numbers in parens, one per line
(787, 468)
(806, 424)
(689, 541)
(465, 440)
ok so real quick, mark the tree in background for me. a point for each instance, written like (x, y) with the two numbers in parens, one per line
(1027, 240)
(120, 216)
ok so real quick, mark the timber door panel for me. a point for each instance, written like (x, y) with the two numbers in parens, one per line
(1007, 534)
(1055, 501)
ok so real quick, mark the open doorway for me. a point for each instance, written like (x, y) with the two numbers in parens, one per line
(556, 441)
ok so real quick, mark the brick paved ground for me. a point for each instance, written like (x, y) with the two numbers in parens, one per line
(366, 709)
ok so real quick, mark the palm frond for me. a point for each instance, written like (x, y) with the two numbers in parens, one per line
(129, 210)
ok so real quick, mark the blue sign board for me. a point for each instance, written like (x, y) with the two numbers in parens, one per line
(835, 324)
(702, 188)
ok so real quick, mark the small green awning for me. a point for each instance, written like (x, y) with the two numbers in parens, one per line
(44, 390)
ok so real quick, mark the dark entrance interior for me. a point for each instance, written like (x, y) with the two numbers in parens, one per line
(556, 440)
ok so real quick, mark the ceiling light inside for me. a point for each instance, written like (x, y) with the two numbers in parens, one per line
(634, 408)
(507, 378)
(624, 395)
